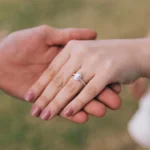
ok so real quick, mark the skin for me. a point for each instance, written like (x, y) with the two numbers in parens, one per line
(138, 88)
(26, 54)
(114, 61)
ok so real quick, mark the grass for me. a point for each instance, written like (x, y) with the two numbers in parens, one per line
(111, 19)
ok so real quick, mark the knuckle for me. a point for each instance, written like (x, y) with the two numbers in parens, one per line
(72, 43)
(38, 86)
(92, 91)
(44, 27)
(108, 64)
(92, 59)
(57, 104)
(44, 99)
(80, 48)
(81, 102)
(58, 82)
(51, 71)
(77, 47)
(71, 87)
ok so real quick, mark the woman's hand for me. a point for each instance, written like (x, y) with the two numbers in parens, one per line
(101, 63)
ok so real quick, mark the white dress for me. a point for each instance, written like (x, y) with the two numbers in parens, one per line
(139, 125)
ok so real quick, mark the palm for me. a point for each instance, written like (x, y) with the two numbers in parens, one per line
(27, 57)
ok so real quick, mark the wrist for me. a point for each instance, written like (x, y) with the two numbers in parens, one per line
(143, 55)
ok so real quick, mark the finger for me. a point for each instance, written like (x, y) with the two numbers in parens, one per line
(56, 85)
(110, 99)
(63, 36)
(95, 108)
(98, 109)
(107, 98)
(80, 118)
(47, 76)
(116, 87)
(91, 90)
(65, 95)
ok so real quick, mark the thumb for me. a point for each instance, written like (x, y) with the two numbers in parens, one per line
(63, 36)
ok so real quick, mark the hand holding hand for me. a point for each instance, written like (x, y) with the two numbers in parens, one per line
(25, 55)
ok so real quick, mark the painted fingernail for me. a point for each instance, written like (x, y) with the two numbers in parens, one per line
(35, 111)
(45, 115)
(68, 112)
(29, 96)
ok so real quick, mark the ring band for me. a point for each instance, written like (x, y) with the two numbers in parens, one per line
(78, 77)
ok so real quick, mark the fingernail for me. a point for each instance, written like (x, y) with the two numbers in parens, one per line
(29, 96)
(35, 111)
(68, 112)
(45, 115)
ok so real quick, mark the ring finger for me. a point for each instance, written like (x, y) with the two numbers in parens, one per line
(93, 108)
(66, 94)
(55, 86)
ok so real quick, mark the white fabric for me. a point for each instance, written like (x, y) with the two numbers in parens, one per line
(139, 125)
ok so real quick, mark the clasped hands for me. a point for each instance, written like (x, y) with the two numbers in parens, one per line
(38, 65)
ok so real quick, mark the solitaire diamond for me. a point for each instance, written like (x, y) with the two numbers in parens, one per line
(77, 76)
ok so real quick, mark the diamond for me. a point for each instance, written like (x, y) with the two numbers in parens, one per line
(77, 76)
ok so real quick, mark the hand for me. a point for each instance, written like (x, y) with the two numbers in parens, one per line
(93, 61)
(25, 55)
(138, 88)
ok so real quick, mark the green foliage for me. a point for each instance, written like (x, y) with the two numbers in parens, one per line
(76, 136)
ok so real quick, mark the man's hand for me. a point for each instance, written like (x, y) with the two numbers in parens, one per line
(25, 55)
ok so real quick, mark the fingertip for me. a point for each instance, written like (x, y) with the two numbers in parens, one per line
(82, 119)
(91, 33)
(102, 112)
(35, 111)
(96, 109)
(116, 104)
(116, 87)
(83, 34)
(79, 118)
(29, 97)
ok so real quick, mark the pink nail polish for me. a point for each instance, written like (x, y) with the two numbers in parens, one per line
(29, 96)
(45, 115)
(35, 111)
(68, 112)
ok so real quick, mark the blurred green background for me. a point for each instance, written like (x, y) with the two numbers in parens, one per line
(111, 19)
